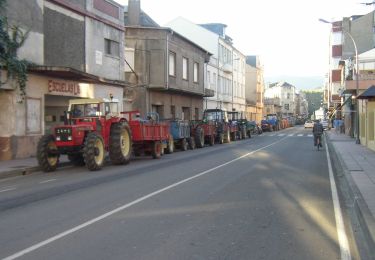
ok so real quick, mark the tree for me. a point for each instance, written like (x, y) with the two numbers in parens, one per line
(12, 37)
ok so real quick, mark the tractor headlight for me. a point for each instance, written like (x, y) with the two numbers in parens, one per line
(58, 138)
(70, 138)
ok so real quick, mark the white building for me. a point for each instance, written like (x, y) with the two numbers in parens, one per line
(225, 72)
(287, 95)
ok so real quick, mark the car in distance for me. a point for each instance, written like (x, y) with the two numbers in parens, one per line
(309, 124)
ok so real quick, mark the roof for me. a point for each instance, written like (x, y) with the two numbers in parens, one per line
(369, 93)
(73, 74)
(280, 84)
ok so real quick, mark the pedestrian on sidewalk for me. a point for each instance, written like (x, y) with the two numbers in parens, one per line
(336, 125)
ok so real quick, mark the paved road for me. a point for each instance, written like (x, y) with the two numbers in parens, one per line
(268, 197)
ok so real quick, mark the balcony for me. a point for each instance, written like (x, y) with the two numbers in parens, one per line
(209, 92)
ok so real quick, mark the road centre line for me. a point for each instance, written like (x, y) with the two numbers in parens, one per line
(121, 208)
(342, 237)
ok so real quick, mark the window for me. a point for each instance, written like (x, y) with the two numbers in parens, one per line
(286, 106)
(172, 64)
(288, 95)
(173, 112)
(111, 48)
(196, 66)
(185, 113)
(185, 64)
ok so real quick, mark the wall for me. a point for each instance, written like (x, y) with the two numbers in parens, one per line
(64, 37)
(31, 20)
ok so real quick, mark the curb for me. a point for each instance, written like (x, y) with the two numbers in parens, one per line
(362, 212)
(26, 170)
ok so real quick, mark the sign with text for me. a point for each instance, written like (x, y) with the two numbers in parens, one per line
(62, 87)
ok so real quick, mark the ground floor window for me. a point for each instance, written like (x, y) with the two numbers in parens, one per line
(185, 113)
(158, 109)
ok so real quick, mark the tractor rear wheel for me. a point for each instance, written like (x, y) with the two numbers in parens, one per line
(156, 150)
(93, 152)
(120, 143)
(170, 145)
(199, 137)
(191, 142)
(184, 144)
(243, 130)
(47, 153)
(76, 159)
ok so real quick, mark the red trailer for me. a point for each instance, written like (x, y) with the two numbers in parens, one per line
(203, 132)
(149, 135)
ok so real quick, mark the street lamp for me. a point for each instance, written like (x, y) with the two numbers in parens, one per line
(357, 141)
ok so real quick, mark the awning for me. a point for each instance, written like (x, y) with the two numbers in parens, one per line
(74, 75)
(369, 93)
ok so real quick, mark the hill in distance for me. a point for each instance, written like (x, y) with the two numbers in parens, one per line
(300, 82)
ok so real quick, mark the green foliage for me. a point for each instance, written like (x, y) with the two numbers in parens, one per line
(11, 39)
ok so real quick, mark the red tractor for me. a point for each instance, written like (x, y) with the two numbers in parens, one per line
(93, 127)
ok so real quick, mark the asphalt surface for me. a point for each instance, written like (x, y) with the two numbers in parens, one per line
(268, 197)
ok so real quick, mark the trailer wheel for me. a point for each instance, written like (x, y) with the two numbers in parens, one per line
(199, 137)
(227, 137)
(93, 152)
(239, 135)
(170, 145)
(184, 144)
(243, 133)
(156, 150)
(221, 138)
(47, 153)
(249, 133)
(191, 142)
(76, 159)
(120, 143)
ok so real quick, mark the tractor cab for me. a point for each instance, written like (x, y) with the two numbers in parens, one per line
(88, 108)
(218, 115)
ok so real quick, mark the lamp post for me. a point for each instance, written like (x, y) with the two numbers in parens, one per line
(357, 140)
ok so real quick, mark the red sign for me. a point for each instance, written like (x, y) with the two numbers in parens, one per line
(64, 87)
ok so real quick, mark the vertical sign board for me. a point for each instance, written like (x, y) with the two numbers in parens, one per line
(33, 115)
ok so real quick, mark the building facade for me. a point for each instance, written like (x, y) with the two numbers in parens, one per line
(254, 88)
(77, 52)
(225, 72)
(166, 70)
(286, 93)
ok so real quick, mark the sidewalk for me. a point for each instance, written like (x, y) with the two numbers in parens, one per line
(23, 166)
(358, 165)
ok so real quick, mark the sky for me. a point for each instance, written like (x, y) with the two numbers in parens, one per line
(286, 34)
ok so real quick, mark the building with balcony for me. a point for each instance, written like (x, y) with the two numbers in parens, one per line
(343, 78)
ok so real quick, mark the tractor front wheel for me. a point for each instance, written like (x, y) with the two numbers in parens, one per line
(47, 153)
(191, 142)
(120, 143)
(93, 152)
(184, 144)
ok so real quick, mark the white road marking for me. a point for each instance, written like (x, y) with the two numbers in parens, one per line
(121, 208)
(343, 239)
(300, 135)
(10, 178)
(310, 135)
(290, 134)
(7, 189)
(47, 181)
(272, 134)
(280, 134)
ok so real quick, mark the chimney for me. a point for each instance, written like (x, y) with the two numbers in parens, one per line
(134, 12)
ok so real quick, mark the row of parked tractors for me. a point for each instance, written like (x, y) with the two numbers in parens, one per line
(94, 129)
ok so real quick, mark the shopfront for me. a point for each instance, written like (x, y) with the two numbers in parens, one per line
(23, 122)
